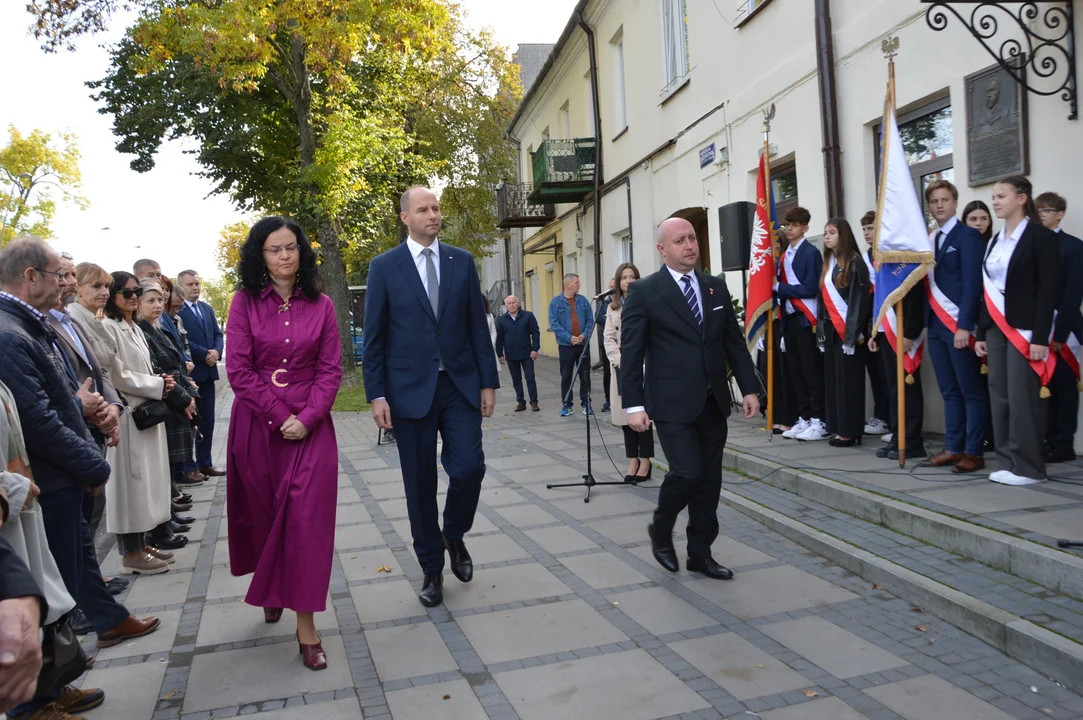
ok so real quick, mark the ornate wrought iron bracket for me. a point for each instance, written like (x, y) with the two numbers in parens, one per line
(1039, 50)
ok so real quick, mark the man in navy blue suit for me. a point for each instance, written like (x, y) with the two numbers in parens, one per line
(430, 367)
(955, 294)
(206, 343)
(1067, 334)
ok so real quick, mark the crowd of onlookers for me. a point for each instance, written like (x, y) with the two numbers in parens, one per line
(107, 381)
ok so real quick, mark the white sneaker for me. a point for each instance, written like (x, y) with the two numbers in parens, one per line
(800, 427)
(887, 438)
(1009, 478)
(816, 431)
(875, 426)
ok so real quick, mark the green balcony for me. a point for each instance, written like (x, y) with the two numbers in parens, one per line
(563, 171)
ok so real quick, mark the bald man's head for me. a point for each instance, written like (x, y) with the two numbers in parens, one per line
(678, 245)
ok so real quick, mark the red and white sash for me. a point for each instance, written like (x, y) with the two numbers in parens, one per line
(912, 359)
(945, 309)
(1021, 339)
(807, 306)
(836, 306)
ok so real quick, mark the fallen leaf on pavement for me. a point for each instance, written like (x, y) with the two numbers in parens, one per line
(811, 693)
(170, 695)
(760, 667)
(915, 609)
(920, 628)
(876, 587)
(447, 697)
(383, 568)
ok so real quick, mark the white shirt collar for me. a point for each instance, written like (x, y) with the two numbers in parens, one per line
(948, 226)
(415, 248)
(189, 303)
(1059, 229)
(1019, 230)
(793, 248)
(677, 276)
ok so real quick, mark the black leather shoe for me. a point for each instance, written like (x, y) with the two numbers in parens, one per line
(710, 568)
(116, 585)
(462, 566)
(663, 551)
(183, 499)
(911, 453)
(182, 519)
(887, 450)
(177, 529)
(1059, 456)
(432, 592)
(79, 624)
(170, 541)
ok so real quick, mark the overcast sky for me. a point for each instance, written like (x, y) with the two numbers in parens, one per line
(164, 214)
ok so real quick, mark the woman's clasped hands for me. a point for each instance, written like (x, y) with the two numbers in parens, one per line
(293, 429)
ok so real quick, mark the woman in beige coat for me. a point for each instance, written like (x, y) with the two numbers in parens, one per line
(137, 500)
(638, 446)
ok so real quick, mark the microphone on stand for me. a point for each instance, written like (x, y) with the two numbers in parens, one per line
(606, 294)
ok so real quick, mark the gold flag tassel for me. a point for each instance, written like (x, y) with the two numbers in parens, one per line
(909, 379)
(1079, 386)
(1045, 394)
(984, 369)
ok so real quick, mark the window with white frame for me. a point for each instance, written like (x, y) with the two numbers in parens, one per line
(571, 265)
(565, 117)
(620, 109)
(624, 247)
(675, 42)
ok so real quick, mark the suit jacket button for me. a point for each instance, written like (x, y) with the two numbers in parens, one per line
(438, 332)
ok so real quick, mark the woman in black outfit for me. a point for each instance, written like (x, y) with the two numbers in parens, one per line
(1020, 275)
(977, 215)
(843, 316)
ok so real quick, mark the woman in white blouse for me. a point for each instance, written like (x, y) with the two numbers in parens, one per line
(1020, 276)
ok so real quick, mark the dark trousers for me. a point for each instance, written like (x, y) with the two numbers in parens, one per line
(1063, 410)
(782, 394)
(1019, 413)
(875, 369)
(958, 373)
(205, 403)
(804, 364)
(569, 356)
(989, 435)
(459, 425)
(606, 370)
(845, 398)
(93, 507)
(915, 400)
(72, 546)
(638, 444)
(694, 451)
(518, 368)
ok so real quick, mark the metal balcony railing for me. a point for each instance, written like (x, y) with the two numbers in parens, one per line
(513, 208)
(563, 170)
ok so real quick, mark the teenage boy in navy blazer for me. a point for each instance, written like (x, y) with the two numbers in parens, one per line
(797, 288)
(955, 296)
(877, 424)
(1064, 411)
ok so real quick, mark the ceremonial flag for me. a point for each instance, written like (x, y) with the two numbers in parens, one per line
(761, 265)
(901, 246)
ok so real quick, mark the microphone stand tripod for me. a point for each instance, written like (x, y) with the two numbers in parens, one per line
(588, 480)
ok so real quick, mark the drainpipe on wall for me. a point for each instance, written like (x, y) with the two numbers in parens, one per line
(829, 113)
(597, 152)
(628, 184)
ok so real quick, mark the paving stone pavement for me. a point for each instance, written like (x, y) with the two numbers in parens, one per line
(568, 615)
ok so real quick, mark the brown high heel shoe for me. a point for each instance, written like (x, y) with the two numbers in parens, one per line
(313, 656)
(272, 615)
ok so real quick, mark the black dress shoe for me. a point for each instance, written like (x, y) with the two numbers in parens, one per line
(176, 528)
(663, 551)
(79, 624)
(183, 499)
(1059, 456)
(911, 453)
(182, 519)
(116, 585)
(886, 450)
(710, 568)
(164, 541)
(462, 566)
(432, 592)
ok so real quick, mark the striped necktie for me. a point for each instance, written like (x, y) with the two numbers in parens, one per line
(690, 296)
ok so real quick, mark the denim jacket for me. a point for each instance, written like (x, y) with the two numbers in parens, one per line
(560, 321)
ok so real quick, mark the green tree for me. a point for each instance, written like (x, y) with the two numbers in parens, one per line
(32, 167)
(227, 253)
(322, 109)
(218, 293)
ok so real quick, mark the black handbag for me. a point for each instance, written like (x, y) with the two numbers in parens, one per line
(62, 658)
(150, 414)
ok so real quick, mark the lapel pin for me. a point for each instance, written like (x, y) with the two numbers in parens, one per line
(710, 290)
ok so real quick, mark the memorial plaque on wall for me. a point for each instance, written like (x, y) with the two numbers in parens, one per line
(996, 112)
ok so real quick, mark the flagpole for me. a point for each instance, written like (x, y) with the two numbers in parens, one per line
(900, 335)
(768, 115)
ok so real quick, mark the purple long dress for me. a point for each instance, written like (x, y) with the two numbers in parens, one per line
(281, 494)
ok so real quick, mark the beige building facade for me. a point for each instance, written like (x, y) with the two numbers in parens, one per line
(682, 85)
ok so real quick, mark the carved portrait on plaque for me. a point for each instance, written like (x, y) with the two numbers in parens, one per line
(996, 112)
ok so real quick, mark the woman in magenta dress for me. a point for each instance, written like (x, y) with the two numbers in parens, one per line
(284, 367)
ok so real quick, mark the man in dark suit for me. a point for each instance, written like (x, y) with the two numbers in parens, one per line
(681, 322)
(1067, 333)
(430, 367)
(205, 342)
(518, 339)
(955, 296)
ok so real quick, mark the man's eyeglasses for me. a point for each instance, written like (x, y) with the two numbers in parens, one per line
(1047, 211)
(129, 293)
(58, 274)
